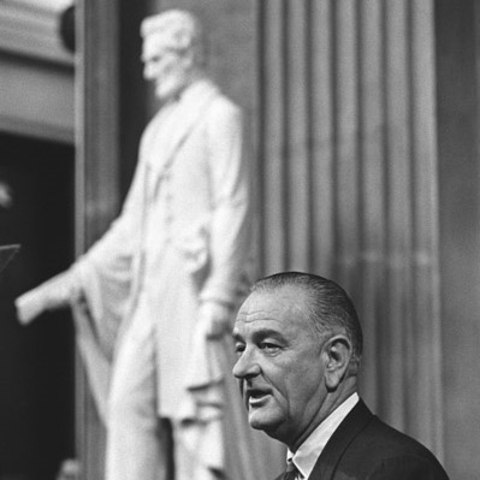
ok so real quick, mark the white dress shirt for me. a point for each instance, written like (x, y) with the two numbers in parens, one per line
(307, 454)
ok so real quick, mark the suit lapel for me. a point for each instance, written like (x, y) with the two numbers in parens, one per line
(348, 430)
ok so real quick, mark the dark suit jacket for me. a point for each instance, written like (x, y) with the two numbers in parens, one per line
(365, 448)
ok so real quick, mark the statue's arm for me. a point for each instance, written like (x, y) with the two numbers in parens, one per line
(53, 294)
(109, 256)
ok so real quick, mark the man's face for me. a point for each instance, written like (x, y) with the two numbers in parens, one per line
(280, 364)
(167, 68)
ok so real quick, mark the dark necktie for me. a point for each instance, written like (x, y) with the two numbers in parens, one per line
(290, 472)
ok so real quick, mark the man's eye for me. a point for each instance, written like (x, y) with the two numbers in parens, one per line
(269, 347)
(239, 348)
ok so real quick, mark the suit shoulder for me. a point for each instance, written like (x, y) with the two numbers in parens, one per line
(392, 437)
(407, 467)
(395, 450)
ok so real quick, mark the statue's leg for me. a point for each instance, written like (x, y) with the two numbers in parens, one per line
(134, 443)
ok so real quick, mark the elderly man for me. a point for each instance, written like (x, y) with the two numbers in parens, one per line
(299, 344)
(168, 273)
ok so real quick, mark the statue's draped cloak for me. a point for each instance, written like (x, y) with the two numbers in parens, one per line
(182, 238)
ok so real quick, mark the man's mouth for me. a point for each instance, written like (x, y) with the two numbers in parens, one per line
(256, 397)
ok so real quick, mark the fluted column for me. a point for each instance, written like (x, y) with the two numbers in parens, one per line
(97, 179)
(348, 180)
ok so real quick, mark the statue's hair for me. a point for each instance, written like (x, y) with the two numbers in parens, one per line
(181, 30)
(330, 308)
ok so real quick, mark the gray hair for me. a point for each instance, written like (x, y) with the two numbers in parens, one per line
(330, 309)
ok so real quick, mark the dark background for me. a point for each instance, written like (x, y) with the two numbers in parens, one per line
(37, 361)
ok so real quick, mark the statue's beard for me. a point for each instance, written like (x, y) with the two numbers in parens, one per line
(171, 84)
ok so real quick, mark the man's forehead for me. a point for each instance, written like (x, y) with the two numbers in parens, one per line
(272, 305)
(251, 314)
(257, 322)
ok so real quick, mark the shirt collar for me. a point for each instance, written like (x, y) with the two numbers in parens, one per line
(307, 454)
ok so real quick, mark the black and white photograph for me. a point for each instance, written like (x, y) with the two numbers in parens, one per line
(239, 240)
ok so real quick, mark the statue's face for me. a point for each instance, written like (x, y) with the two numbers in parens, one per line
(167, 68)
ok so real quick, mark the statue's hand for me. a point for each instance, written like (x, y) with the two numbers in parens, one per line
(214, 319)
(30, 305)
(51, 295)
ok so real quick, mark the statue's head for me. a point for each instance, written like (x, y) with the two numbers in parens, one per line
(173, 51)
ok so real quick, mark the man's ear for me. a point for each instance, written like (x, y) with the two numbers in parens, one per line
(339, 353)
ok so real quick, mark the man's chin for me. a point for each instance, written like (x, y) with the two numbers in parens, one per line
(262, 421)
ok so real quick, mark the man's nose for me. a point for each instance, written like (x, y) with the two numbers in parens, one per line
(246, 365)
